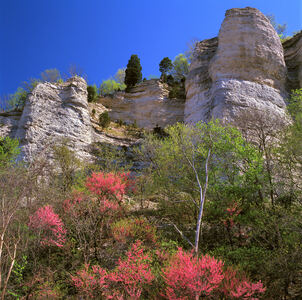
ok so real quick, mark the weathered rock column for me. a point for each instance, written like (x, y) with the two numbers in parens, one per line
(246, 72)
(52, 113)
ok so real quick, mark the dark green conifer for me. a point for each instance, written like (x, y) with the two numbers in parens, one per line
(133, 71)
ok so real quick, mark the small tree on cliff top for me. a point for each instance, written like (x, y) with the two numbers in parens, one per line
(165, 66)
(133, 71)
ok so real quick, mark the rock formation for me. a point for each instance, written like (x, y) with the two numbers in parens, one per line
(9, 122)
(244, 70)
(147, 104)
(54, 112)
(293, 60)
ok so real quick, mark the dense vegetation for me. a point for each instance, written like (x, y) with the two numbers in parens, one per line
(215, 215)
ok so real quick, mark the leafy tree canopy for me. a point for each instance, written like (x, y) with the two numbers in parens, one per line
(120, 76)
(181, 66)
(108, 87)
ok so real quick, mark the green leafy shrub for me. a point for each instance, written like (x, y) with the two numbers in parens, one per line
(177, 88)
(104, 119)
(110, 86)
(9, 150)
(92, 93)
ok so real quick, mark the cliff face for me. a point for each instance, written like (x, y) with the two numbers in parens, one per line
(293, 60)
(147, 104)
(52, 113)
(243, 70)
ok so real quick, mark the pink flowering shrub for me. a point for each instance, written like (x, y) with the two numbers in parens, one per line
(190, 277)
(90, 215)
(49, 226)
(90, 282)
(132, 274)
(133, 228)
(235, 286)
(127, 281)
(185, 277)
(109, 185)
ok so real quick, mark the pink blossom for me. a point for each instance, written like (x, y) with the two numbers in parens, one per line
(49, 225)
(190, 277)
(133, 273)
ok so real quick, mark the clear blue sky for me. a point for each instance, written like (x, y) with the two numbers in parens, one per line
(100, 35)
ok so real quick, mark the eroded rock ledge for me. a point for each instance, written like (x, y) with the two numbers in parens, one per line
(147, 104)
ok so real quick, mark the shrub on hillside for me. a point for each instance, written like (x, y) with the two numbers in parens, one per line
(110, 86)
(9, 150)
(104, 119)
(92, 93)
(48, 226)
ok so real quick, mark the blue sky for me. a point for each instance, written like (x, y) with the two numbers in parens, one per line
(99, 36)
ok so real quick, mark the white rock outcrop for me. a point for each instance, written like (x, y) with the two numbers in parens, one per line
(147, 104)
(244, 70)
(52, 113)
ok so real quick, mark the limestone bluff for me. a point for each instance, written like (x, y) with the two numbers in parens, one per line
(244, 69)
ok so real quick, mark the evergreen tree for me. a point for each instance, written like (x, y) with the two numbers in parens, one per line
(165, 66)
(133, 71)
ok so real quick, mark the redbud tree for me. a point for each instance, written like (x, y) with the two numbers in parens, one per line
(48, 226)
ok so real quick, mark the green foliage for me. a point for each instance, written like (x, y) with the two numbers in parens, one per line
(9, 150)
(104, 119)
(111, 158)
(120, 76)
(92, 93)
(233, 167)
(17, 100)
(180, 67)
(165, 66)
(67, 164)
(176, 88)
(294, 106)
(108, 87)
(133, 71)
(51, 75)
